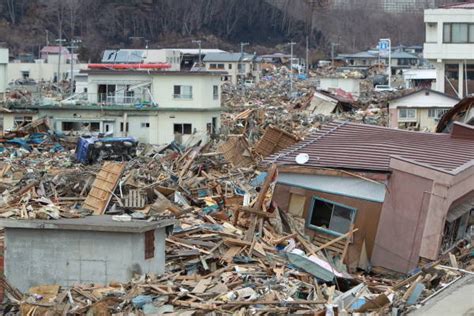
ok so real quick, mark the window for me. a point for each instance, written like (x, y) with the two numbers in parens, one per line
(67, 126)
(331, 216)
(184, 129)
(22, 120)
(121, 127)
(95, 127)
(220, 66)
(212, 66)
(149, 244)
(183, 92)
(215, 92)
(230, 66)
(405, 113)
(436, 112)
(25, 74)
(458, 32)
(145, 124)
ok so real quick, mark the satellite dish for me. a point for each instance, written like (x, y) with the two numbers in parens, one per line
(301, 159)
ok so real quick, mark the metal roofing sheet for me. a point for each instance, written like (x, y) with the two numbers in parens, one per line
(357, 146)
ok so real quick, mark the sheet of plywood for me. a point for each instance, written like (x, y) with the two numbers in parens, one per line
(104, 185)
(274, 140)
(296, 206)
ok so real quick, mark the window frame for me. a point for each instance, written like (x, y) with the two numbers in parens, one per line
(180, 95)
(215, 92)
(469, 37)
(436, 112)
(183, 128)
(327, 230)
(407, 117)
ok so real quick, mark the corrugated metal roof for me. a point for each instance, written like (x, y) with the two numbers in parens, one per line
(467, 5)
(366, 147)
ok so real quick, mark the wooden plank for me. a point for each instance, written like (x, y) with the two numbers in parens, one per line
(103, 187)
(336, 239)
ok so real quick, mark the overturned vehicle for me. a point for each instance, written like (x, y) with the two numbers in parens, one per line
(90, 150)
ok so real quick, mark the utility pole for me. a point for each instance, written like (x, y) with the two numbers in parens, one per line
(332, 52)
(242, 45)
(73, 46)
(60, 48)
(307, 55)
(291, 67)
(199, 42)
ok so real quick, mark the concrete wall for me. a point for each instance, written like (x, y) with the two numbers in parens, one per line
(159, 130)
(347, 84)
(35, 257)
(435, 48)
(198, 120)
(40, 71)
(3, 69)
(163, 89)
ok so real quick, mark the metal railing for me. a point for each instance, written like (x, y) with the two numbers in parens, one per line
(183, 96)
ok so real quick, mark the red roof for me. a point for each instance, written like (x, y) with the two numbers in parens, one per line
(354, 146)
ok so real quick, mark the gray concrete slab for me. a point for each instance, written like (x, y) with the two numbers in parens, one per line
(100, 223)
(457, 300)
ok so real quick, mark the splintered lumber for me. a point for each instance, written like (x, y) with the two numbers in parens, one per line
(103, 187)
(237, 151)
(335, 240)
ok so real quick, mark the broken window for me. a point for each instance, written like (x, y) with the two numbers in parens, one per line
(331, 216)
(25, 74)
(215, 92)
(95, 127)
(20, 121)
(183, 92)
(405, 113)
(182, 129)
(454, 231)
(149, 244)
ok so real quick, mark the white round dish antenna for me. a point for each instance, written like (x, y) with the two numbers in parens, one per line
(301, 159)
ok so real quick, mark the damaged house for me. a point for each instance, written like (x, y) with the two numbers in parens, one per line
(154, 106)
(404, 197)
(462, 112)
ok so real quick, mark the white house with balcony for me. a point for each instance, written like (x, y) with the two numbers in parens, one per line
(449, 46)
(237, 67)
(156, 107)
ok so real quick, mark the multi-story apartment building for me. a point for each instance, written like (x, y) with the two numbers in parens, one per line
(449, 46)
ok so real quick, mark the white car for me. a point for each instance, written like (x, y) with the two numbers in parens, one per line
(384, 87)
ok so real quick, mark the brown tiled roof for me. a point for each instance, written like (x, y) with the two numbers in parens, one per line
(354, 146)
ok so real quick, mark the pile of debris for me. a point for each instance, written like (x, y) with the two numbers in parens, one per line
(28, 137)
(231, 252)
